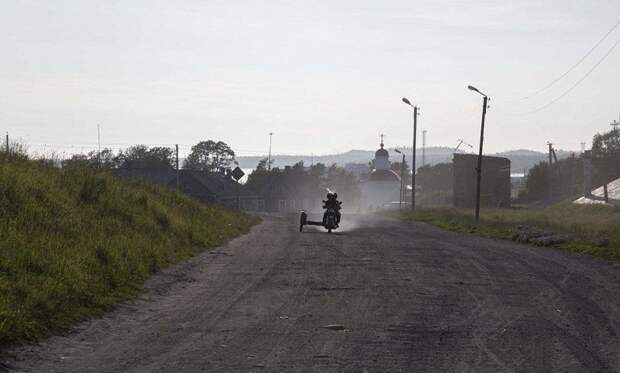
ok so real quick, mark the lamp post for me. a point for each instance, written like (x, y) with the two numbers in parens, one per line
(413, 168)
(479, 168)
(402, 179)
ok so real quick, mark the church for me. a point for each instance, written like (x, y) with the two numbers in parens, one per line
(382, 187)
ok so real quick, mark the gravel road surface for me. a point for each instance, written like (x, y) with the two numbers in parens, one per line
(377, 296)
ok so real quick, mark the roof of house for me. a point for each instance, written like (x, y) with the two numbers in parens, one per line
(161, 176)
(383, 175)
(219, 184)
(598, 195)
(216, 183)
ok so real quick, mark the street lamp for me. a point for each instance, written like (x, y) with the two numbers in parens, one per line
(479, 168)
(402, 179)
(413, 169)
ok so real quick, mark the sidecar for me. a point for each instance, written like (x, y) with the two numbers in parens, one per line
(329, 221)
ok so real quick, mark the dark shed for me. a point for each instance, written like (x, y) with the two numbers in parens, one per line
(495, 186)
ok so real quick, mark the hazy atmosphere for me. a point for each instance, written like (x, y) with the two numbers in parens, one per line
(237, 186)
(325, 76)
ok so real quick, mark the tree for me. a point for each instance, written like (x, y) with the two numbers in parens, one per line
(395, 166)
(317, 171)
(565, 176)
(606, 156)
(105, 160)
(537, 181)
(438, 177)
(606, 145)
(209, 156)
(299, 182)
(262, 164)
(141, 156)
(344, 183)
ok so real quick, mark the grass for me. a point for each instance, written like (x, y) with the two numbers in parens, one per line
(74, 242)
(593, 230)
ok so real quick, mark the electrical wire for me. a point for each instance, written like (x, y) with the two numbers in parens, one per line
(577, 82)
(76, 148)
(573, 66)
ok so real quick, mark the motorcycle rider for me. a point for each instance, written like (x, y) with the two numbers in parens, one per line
(333, 203)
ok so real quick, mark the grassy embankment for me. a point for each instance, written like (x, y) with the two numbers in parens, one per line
(593, 230)
(73, 242)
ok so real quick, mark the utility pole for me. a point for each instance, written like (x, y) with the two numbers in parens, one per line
(402, 183)
(423, 148)
(269, 157)
(237, 190)
(413, 168)
(177, 164)
(550, 152)
(549, 178)
(8, 148)
(479, 168)
(269, 201)
(99, 145)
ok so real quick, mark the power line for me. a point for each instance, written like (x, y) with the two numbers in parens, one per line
(77, 148)
(577, 82)
(575, 65)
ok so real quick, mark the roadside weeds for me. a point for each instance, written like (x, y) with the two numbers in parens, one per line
(592, 230)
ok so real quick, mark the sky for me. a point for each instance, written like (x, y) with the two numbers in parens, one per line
(323, 76)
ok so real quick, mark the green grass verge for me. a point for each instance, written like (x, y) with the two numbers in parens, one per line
(73, 242)
(593, 230)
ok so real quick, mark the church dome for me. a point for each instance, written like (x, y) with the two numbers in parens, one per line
(382, 158)
(382, 153)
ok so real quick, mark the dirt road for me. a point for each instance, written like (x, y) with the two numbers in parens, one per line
(378, 296)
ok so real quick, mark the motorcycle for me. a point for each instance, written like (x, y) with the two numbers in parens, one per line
(329, 221)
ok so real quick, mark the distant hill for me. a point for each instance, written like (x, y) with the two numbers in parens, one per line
(520, 159)
(524, 159)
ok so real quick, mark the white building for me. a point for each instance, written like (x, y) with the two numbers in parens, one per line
(382, 187)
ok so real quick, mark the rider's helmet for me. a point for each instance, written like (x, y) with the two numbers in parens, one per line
(330, 195)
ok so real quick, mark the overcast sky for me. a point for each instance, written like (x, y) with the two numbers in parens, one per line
(324, 76)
